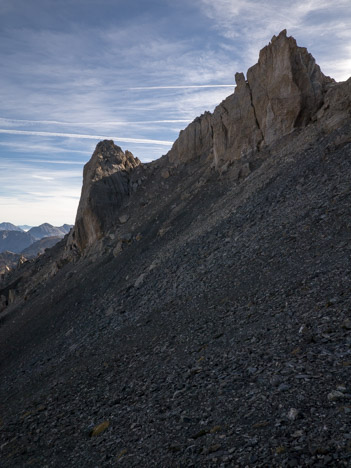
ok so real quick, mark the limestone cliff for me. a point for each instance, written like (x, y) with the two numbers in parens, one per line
(283, 91)
(105, 184)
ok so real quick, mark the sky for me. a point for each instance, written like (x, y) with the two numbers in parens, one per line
(74, 72)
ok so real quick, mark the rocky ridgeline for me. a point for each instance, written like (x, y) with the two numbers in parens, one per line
(285, 90)
(199, 312)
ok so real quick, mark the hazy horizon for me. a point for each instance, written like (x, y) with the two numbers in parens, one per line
(137, 72)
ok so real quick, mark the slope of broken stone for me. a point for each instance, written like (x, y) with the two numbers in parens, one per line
(202, 364)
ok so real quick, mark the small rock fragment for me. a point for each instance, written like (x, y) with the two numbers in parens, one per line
(335, 395)
(123, 218)
(99, 428)
(293, 414)
(139, 281)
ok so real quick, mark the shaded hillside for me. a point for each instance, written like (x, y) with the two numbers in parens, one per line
(40, 246)
(203, 318)
(8, 261)
(15, 241)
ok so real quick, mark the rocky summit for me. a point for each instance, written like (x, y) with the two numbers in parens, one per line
(198, 314)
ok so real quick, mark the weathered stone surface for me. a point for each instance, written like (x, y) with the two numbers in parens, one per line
(235, 129)
(123, 218)
(105, 184)
(287, 87)
(284, 90)
(194, 141)
(165, 173)
(336, 107)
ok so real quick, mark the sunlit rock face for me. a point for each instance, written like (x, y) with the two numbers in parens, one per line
(287, 87)
(105, 184)
(283, 91)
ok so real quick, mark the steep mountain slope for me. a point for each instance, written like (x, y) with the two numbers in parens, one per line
(203, 318)
(38, 247)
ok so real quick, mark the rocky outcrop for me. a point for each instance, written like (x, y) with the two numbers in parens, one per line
(287, 87)
(284, 90)
(105, 184)
(336, 106)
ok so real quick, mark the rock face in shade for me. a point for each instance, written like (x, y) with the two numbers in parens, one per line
(15, 241)
(105, 184)
(39, 246)
(283, 91)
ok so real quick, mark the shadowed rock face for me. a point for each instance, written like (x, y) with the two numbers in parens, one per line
(105, 184)
(284, 90)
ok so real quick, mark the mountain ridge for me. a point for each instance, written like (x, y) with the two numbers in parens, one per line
(202, 320)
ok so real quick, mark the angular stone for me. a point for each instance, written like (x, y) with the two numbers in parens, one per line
(123, 218)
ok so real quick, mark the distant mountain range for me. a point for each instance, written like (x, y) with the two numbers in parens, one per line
(25, 227)
(15, 239)
(10, 227)
(47, 230)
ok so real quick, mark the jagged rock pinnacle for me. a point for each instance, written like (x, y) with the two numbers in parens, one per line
(105, 184)
(282, 91)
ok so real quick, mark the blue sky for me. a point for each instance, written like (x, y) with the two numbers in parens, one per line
(76, 71)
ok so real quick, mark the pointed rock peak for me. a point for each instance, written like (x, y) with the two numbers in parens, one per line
(287, 87)
(282, 34)
(284, 90)
(107, 159)
(105, 185)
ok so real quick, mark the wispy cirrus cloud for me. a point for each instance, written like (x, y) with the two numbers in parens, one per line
(88, 70)
(185, 86)
(83, 136)
(322, 26)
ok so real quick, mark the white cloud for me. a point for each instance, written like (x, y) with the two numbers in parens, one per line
(42, 177)
(88, 137)
(318, 24)
(185, 87)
